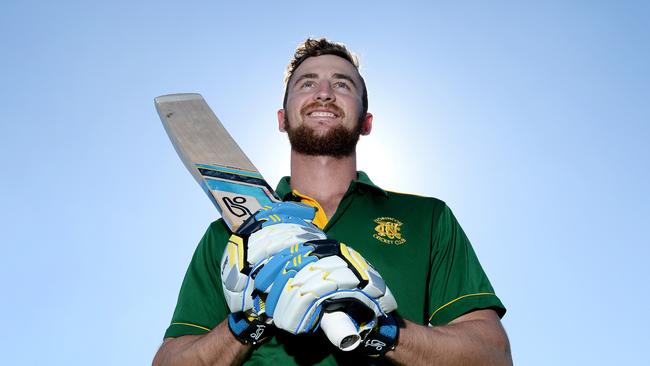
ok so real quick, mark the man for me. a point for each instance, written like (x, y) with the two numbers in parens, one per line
(448, 313)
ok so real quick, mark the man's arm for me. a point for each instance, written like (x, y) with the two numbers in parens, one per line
(218, 347)
(476, 338)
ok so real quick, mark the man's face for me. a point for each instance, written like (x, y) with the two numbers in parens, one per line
(324, 106)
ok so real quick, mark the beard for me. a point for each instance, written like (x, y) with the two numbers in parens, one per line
(338, 142)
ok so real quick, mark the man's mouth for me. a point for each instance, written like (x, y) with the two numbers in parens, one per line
(322, 114)
(317, 110)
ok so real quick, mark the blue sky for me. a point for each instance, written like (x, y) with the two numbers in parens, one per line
(529, 120)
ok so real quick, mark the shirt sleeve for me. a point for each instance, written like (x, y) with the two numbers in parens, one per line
(201, 304)
(458, 284)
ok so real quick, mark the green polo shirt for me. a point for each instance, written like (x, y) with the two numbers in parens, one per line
(414, 242)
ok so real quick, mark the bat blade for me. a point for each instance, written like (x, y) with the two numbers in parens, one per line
(217, 163)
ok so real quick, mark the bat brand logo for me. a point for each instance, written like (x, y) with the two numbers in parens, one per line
(236, 206)
(388, 231)
(258, 333)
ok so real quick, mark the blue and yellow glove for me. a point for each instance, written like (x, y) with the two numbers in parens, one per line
(305, 279)
(270, 230)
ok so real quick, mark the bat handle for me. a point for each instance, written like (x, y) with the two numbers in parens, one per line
(340, 330)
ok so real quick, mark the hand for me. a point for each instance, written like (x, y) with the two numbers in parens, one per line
(270, 230)
(279, 226)
(303, 280)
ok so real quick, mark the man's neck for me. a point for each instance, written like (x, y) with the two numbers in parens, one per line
(324, 178)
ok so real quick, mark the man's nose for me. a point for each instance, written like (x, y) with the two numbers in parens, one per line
(325, 94)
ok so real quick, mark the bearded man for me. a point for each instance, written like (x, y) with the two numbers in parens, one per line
(412, 285)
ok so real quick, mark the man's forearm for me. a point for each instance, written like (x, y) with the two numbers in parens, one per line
(473, 339)
(218, 347)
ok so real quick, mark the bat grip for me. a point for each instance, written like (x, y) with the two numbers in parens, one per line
(340, 330)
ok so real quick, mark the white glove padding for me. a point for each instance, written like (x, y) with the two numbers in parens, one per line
(272, 231)
(317, 275)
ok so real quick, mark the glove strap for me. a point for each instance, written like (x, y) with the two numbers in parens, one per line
(250, 331)
(380, 339)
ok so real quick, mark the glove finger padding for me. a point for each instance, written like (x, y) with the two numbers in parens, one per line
(270, 230)
(276, 213)
(234, 275)
(268, 241)
(304, 279)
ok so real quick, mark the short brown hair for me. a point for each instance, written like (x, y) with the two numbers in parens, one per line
(319, 47)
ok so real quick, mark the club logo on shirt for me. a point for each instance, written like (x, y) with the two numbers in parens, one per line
(388, 231)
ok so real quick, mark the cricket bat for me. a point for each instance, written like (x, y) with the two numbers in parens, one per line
(229, 178)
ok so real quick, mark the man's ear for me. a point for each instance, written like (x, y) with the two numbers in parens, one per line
(366, 126)
(281, 125)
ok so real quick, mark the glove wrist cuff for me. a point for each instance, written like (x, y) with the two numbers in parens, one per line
(250, 331)
(382, 338)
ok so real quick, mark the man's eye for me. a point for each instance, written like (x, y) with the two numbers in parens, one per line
(307, 84)
(341, 84)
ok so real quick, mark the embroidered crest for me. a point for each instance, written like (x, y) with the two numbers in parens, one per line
(388, 231)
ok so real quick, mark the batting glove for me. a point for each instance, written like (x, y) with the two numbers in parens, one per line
(303, 280)
(270, 230)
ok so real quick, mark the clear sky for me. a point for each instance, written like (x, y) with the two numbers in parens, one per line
(530, 120)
